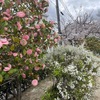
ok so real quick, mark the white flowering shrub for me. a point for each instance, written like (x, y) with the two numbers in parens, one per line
(73, 69)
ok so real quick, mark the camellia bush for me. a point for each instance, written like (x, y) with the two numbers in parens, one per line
(73, 70)
(24, 38)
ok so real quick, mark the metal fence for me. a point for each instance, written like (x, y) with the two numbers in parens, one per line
(12, 89)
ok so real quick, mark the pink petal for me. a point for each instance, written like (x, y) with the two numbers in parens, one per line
(36, 68)
(1, 44)
(23, 42)
(15, 54)
(4, 41)
(35, 34)
(26, 37)
(35, 82)
(20, 14)
(29, 51)
(19, 26)
(23, 75)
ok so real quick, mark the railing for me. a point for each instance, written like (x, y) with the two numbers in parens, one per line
(12, 88)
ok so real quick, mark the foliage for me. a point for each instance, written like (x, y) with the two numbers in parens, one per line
(93, 44)
(24, 37)
(73, 69)
(50, 95)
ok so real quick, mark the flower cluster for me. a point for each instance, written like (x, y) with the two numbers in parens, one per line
(73, 69)
(24, 38)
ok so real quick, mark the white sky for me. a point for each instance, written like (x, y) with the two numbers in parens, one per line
(73, 5)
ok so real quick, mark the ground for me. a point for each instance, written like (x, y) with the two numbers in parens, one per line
(35, 93)
(96, 89)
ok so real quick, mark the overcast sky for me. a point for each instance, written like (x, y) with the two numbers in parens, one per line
(74, 7)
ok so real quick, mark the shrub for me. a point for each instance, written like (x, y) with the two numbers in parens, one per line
(24, 38)
(73, 69)
(93, 44)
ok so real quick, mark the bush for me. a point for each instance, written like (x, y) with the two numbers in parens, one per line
(73, 69)
(24, 38)
(93, 44)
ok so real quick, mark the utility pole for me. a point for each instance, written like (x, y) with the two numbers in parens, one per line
(58, 17)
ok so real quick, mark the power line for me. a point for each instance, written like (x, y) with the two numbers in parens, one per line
(66, 9)
(62, 14)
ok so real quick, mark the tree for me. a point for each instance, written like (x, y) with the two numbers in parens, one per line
(24, 38)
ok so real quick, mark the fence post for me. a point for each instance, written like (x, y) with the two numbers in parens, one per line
(18, 89)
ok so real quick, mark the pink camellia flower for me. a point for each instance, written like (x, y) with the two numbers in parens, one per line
(7, 14)
(20, 14)
(4, 41)
(1, 44)
(23, 42)
(10, 17)
(7, 68)
(23, 75)
(35, 54)
(55, 40)
(38, 50)
(37, 26)
(35, 34)
(6, 18)
(26, 68)
(29, 51)
(36, 68)
(19, 26)
(38, 30)
(2, 1)
(26, 37)
(8, 11)
(9, 65)
(15, 54)
(35, 82)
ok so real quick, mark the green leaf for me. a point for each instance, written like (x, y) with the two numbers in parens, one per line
(24, 52)
(12, 47)
(3, 73)
(12, 71)
(1, 78)
(15, 39)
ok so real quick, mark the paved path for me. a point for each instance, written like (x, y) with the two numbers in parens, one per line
(35, 93)
(96, 91)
